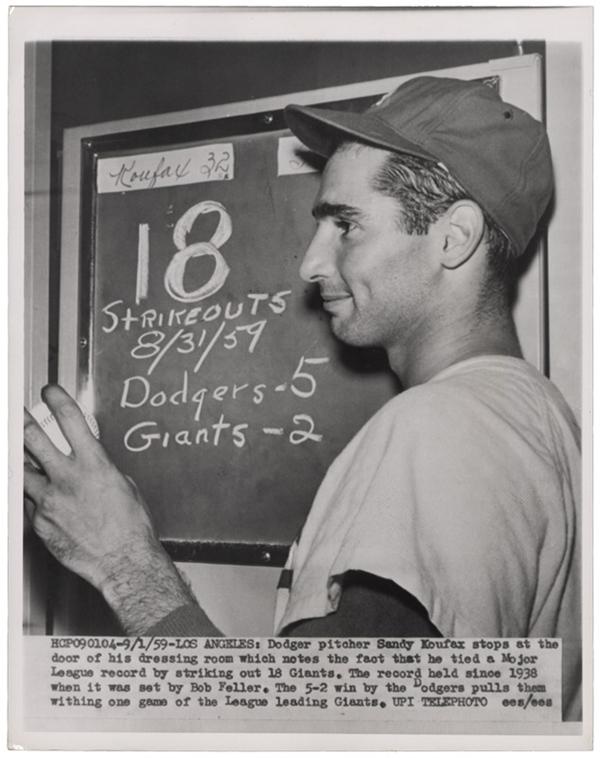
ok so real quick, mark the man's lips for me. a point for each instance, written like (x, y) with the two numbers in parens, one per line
(332, 299)
(329, 297)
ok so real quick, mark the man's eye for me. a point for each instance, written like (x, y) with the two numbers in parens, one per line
(344, 226)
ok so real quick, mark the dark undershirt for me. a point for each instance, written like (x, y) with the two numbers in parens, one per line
(369, 607)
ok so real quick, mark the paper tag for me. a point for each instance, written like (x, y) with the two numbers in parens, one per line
(289, 157)
(168, 168)
(46, 419)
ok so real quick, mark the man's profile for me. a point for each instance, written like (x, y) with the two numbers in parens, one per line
(455, 510)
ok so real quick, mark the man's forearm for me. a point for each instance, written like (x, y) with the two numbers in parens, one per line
(143, 587)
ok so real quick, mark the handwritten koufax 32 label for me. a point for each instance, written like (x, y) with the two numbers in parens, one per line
(167, 168)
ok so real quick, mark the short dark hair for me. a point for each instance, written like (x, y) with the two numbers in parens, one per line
(425, 190)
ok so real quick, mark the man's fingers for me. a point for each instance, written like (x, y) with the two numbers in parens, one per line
(69, 417)
(34, 484)
(38, 443)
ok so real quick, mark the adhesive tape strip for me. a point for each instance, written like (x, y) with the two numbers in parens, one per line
(45, 418)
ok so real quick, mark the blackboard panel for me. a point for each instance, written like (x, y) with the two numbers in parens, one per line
(244, 406)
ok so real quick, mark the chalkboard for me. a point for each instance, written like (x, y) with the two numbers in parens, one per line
(207, 362)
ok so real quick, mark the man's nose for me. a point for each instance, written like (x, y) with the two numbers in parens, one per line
(319, 259)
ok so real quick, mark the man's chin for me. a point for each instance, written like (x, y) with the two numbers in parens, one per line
(350, 334)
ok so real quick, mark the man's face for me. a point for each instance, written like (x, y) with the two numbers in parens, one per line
(374, 278)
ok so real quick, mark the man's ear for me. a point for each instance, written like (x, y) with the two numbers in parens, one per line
(463, 231)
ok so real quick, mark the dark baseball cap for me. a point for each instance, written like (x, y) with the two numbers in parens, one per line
(498, 152)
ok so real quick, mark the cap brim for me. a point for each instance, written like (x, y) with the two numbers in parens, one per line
(322, 130)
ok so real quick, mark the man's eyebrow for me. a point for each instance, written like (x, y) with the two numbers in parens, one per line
(323, 210)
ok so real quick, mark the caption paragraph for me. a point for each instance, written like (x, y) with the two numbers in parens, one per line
(375, 679)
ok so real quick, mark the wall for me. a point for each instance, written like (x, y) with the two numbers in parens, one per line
(107, 81)
(565, 240)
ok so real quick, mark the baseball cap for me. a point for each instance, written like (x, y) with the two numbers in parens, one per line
(498, 152)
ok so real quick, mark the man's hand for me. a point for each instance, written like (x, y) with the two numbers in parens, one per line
(84, 509)
(94, 521)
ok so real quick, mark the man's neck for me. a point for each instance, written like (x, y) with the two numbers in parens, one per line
(436, 350)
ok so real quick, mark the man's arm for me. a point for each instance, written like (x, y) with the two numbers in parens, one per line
(95, 522)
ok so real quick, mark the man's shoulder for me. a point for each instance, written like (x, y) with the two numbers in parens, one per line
(490, 382)
(489, 398)
(467, 389)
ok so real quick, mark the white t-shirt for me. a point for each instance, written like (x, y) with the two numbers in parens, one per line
(465, 492)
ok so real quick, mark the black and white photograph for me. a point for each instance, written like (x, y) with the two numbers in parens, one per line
(300, 378)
